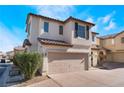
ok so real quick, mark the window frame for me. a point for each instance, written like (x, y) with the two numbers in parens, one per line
(60, 30)
(84, 33)
(28, 28)
(122, 40)
(46, 30)
(87, 32)
(93, 38)
(76, 29)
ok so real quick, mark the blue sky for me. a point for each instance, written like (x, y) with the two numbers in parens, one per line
(108, 20)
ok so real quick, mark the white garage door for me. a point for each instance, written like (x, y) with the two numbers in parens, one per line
(65, 62)
(118, 57)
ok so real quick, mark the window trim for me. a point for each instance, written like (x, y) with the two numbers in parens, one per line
(60, 31)
(76, 31)
(87, 32)
(122, 40)
(93, 39)
(47, 28)
(28, 28)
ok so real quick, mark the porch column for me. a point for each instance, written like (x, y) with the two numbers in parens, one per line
(45, 64)
(86, 63)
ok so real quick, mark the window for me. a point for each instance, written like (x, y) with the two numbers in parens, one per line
(80, 31)
(61, 30)
(76, 29)
(87, 32)
(122, 40)
(46, 26)
(93, 38)
(28, 28)
(112, 41)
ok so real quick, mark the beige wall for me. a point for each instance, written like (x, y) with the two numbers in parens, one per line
(34, 33)
(53, 32)
(108, 43)
(68, 29)
(97, 41)
(118, 44)
(113, 44)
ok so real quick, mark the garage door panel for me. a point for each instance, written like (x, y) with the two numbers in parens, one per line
(61, 56)
(62, 63)
(118, 57)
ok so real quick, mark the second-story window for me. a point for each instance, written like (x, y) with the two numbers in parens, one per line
(61, 30)
(93, 38)
(46, 26)
(122, 40)
(87, 32)
(28, 28)
(80, 31)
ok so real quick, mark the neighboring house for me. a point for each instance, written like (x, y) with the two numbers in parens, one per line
(1, 54)
(65, 44)
(9, 54)
(115, 43)
(19, 49)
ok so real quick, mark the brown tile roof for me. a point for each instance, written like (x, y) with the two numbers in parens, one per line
(111, 35)
(53, 42)
(70, 18)
(76, 19)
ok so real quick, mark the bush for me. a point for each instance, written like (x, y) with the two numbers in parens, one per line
(28, 63)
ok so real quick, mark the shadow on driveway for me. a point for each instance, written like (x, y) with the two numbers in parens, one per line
(111, 65)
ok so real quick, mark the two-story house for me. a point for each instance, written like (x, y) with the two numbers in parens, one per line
(64, 44)
(115, 43)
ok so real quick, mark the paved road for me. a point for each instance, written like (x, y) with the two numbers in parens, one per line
(92, 78)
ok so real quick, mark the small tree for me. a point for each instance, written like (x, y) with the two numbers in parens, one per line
(28, 63)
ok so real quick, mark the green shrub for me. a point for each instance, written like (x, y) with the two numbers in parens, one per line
(28, 63)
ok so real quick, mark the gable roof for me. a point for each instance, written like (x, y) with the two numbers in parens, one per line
(70, 18)
(111, 35)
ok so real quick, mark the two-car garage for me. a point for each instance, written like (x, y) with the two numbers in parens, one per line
(118, 57)
(60, 62)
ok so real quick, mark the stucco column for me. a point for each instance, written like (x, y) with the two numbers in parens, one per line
(45, 66)
(86, 63)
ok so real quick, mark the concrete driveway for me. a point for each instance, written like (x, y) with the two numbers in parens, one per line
(91, 78)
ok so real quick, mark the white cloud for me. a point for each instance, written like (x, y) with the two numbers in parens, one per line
(8, 40)
(90, 19)
(105, 23)
(108, 17)
(111, 25)
(60, 12)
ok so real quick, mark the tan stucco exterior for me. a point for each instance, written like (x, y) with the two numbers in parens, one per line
(116, 46)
